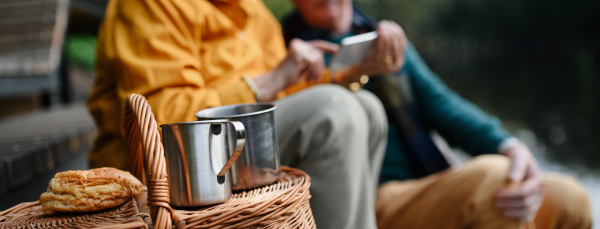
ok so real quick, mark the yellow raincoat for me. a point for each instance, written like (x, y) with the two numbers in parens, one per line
(183, 56)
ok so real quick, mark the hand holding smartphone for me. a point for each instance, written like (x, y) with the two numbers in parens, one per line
(353, 50)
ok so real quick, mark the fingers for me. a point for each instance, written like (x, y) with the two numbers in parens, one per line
(390, 47)
(524, 210)
(524, 206)
(315, 58)
(518, 166)
(523, 201)
(520, 196)
(517, 202)
(312, 58)
(304, 60)
(524, 214)
(523, 168)
(399, 40)
(325, 46)
(395, 51)
(315, 67)
(383, 45)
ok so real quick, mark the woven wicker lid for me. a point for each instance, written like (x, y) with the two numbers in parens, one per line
(30, 215)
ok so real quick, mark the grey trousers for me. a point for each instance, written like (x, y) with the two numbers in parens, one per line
(338, 137)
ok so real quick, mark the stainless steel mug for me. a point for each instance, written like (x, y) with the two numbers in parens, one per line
(259, 162)
(197, 155)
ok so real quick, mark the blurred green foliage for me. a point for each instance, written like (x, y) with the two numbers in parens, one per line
(81, 50)
(279, 7)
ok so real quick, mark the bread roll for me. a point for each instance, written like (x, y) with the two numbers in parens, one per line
(88, 190)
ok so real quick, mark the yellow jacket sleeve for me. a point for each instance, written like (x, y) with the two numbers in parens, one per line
(182, 55)
(155, 47)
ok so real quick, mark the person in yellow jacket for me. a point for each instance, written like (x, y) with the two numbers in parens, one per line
(188, 55)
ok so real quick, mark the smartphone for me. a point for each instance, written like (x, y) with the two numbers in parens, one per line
(353, 51)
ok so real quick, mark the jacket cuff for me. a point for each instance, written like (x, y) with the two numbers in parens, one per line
(238, 92)
(507, 144)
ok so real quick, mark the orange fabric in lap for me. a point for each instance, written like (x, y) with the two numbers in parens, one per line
(464, 198)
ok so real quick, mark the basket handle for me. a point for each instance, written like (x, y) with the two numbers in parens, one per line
(144, 147)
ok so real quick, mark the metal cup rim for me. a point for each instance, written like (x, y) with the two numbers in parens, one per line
(194, 122)
(272, 108)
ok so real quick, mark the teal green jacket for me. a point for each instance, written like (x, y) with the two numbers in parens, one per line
(460, 122)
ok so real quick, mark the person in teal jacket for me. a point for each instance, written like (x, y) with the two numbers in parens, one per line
(417, 187)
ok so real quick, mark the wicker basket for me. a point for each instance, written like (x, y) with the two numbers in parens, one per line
(30, 215)
(284, 204)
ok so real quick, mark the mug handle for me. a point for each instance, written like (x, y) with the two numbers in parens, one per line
(240, 136)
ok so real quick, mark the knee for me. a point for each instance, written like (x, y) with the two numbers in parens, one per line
(340, 106)
(489, 167)
(339, 114)
(484, 175)
(569, 198)
(330, 93)
(375, 111)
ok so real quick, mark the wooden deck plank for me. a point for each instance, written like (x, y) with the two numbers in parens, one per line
(19, 168)
(3, 179)
(33, 144)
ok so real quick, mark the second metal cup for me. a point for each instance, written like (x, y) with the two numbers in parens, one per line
(197, 155)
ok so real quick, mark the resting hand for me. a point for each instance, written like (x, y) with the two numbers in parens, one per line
(522, 200)
(303, 60)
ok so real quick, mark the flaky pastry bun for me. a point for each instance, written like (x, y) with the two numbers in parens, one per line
(88, 190)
